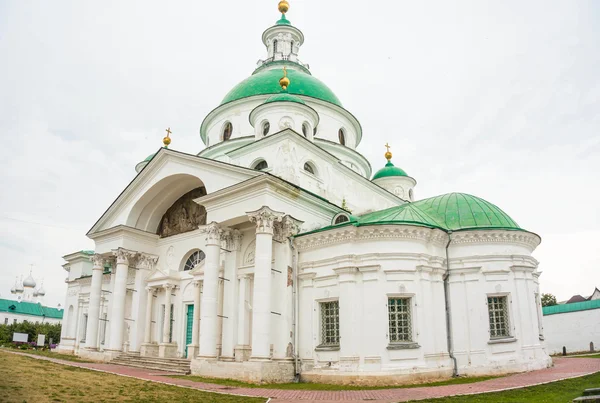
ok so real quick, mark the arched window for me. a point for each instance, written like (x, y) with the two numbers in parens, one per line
(315, 131)
(275, 46)
(410, 194)
(260, 165)
(195, 259)
(292, 47)
(227, 130)
(342, 218)
(342, 137)
(305, 129)
(308, 167)
(266, 126)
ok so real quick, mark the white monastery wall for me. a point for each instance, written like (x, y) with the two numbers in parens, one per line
(573, 330)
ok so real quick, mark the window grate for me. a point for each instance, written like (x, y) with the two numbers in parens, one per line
(330, 323)
(400, 320)
(498, 312)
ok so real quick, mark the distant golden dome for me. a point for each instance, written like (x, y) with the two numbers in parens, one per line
(283, 6)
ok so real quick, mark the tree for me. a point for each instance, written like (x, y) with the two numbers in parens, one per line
(548, 300)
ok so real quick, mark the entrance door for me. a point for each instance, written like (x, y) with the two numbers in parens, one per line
(189, 325)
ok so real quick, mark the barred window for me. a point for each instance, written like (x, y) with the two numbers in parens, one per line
(498, 311)
(400, 320)
(330, 323)
(195, 259)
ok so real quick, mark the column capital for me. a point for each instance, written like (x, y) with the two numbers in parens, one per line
(147, 261)
(265, 218)
(197, 283)
(98, 261)
(151, 290)
(233, 239)
(213, 234)
(124, 256)
(168, 287)
(289, 226)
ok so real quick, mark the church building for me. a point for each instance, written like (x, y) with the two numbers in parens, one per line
(276, 253)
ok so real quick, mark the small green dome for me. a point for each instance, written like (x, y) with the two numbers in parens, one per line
(389, 170)
(283, 21)
(284, 97)
(148, 158)
(266, 82)
(449, 212)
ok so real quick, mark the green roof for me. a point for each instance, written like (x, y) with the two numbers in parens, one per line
(283, 21)
(148, 158)
(29, 308)
(449, 212)
(266, 82)
(572, 307)
(284, 97)
(389, 170)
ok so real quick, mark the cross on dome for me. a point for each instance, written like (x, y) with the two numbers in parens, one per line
(167, 138)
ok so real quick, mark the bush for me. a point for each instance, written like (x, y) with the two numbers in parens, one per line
(52, 331)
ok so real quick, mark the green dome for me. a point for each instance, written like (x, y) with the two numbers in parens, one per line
(449, 212)
(267, 82)
(283, 21)
(148, 158)
(389, 170)
(284, 97)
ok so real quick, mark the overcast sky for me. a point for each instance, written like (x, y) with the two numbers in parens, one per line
(500, 99)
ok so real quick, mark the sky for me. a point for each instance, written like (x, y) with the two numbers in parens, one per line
(496, 99)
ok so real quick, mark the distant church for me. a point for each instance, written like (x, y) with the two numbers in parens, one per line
(276, 252)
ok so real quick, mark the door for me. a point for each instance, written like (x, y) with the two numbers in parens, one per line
(189, 326)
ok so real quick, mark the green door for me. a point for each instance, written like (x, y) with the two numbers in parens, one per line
(189, 326)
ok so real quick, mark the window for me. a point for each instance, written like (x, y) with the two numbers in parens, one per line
(171, 325)
(227, 130)
(14, 321)
(195, 259)
(305, 129)
(341, 219)
(84, 330)
(410, 194)
(260, 165)
(400, 320)
(266, 126)
(330, 323)
(292, 47)
(308, 167)
(275, 46)
(6, 321)
(498, 312)
(342, 137)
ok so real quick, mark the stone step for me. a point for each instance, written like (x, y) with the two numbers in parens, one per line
(160, 368)
(152, 361)
(137, 357)
(591, 392)
(174, 367)
(588, 399)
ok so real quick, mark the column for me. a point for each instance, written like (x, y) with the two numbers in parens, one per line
(148, 322)
(117, 317)
(208, 323)
(193, 348)
(243, 326)
(77, 320)
(265, 219)
(91, 339)
(283, 287)
(166, 330)
(233, 239)
(139, 301)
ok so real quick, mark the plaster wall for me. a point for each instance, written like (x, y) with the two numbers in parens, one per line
(573, 330)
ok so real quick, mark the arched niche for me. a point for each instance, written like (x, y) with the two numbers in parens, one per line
(184, 215)
(148, 211)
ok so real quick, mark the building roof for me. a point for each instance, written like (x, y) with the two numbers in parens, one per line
(576, 298)
(389, 170)
(29, 308)
(267, 82)
(449, 212)
(571, 307)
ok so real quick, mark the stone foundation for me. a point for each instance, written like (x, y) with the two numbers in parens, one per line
(149, 350)
(167, 350)
(376, 378)
(93, 355)
(242, 353)
(247, 371)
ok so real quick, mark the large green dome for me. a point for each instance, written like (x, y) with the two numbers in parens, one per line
(389, 170)
(450, 212)
(266, 82)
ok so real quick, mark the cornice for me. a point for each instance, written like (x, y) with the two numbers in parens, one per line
(371, 260)
(352, 234)
(522, 238)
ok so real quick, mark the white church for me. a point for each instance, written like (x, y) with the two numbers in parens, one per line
(276, 253)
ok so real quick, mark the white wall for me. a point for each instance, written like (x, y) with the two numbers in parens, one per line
(574, 330)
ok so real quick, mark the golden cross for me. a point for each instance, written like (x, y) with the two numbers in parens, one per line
(387, 146)
(168, 132)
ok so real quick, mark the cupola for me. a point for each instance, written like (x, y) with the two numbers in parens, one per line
(29, 282)
(283, 40)
(394, 179)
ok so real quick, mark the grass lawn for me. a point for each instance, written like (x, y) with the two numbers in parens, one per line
(28, 380)
(587, 356)
(556, 392)
(324, 386)
(51, 354)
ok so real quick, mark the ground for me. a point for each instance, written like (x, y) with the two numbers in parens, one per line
(24, 379)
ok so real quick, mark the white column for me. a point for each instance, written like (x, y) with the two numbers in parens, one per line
(117, 318)
(208, 324)
(243, 317)
(148, 322)
(261, 305)
(282, 287)
(166, 330)
(91, 339)
(193, 348)
(233, 239)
